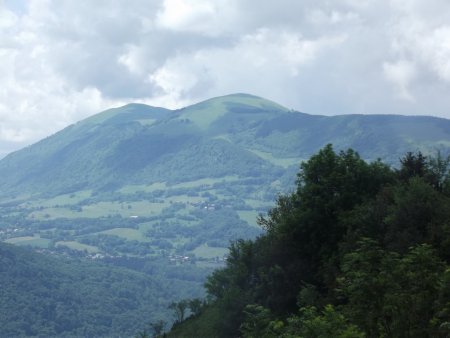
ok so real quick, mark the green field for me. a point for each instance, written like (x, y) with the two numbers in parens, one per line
(131, 189)
(127, 233)
(35, 241)
(205, 251)
(78, 246)
(282, 162)
(258, 203)
(143, 227)
(66, 199)
(249, 216)
(53, 213)
(205, 182)
(146, 122)
(204, 113)
(102, 209)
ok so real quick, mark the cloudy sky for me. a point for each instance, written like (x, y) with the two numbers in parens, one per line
(63, 60)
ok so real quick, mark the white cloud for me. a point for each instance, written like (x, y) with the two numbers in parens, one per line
(201, 16)
(435, 49)
(421, 32)
(401, 74)
(175, 81)
(7, 18)
(258, 63)
(321, 17)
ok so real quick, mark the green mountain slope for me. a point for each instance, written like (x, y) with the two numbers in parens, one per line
(137, 143)
(47, 296)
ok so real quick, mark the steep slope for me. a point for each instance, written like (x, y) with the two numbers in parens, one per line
(76, 156)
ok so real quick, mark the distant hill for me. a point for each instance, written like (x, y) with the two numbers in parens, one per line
(237, 134)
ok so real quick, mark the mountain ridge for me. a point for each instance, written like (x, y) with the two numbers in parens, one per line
(93, 152)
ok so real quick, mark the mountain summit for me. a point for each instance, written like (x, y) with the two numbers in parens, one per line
(237, 134)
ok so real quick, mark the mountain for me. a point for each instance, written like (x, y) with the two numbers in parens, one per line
(147, 181)
(232, 135)
(162, 192)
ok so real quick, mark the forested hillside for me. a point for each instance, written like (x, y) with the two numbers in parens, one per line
(358, 250)
(43, 296)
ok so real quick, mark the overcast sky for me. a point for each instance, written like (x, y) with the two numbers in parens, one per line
(61, 60)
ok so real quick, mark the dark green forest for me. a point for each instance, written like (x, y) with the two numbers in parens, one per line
(45, 296)
(357, 250)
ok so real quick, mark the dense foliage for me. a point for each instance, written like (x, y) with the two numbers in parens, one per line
(43, 296)
(358, 250)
